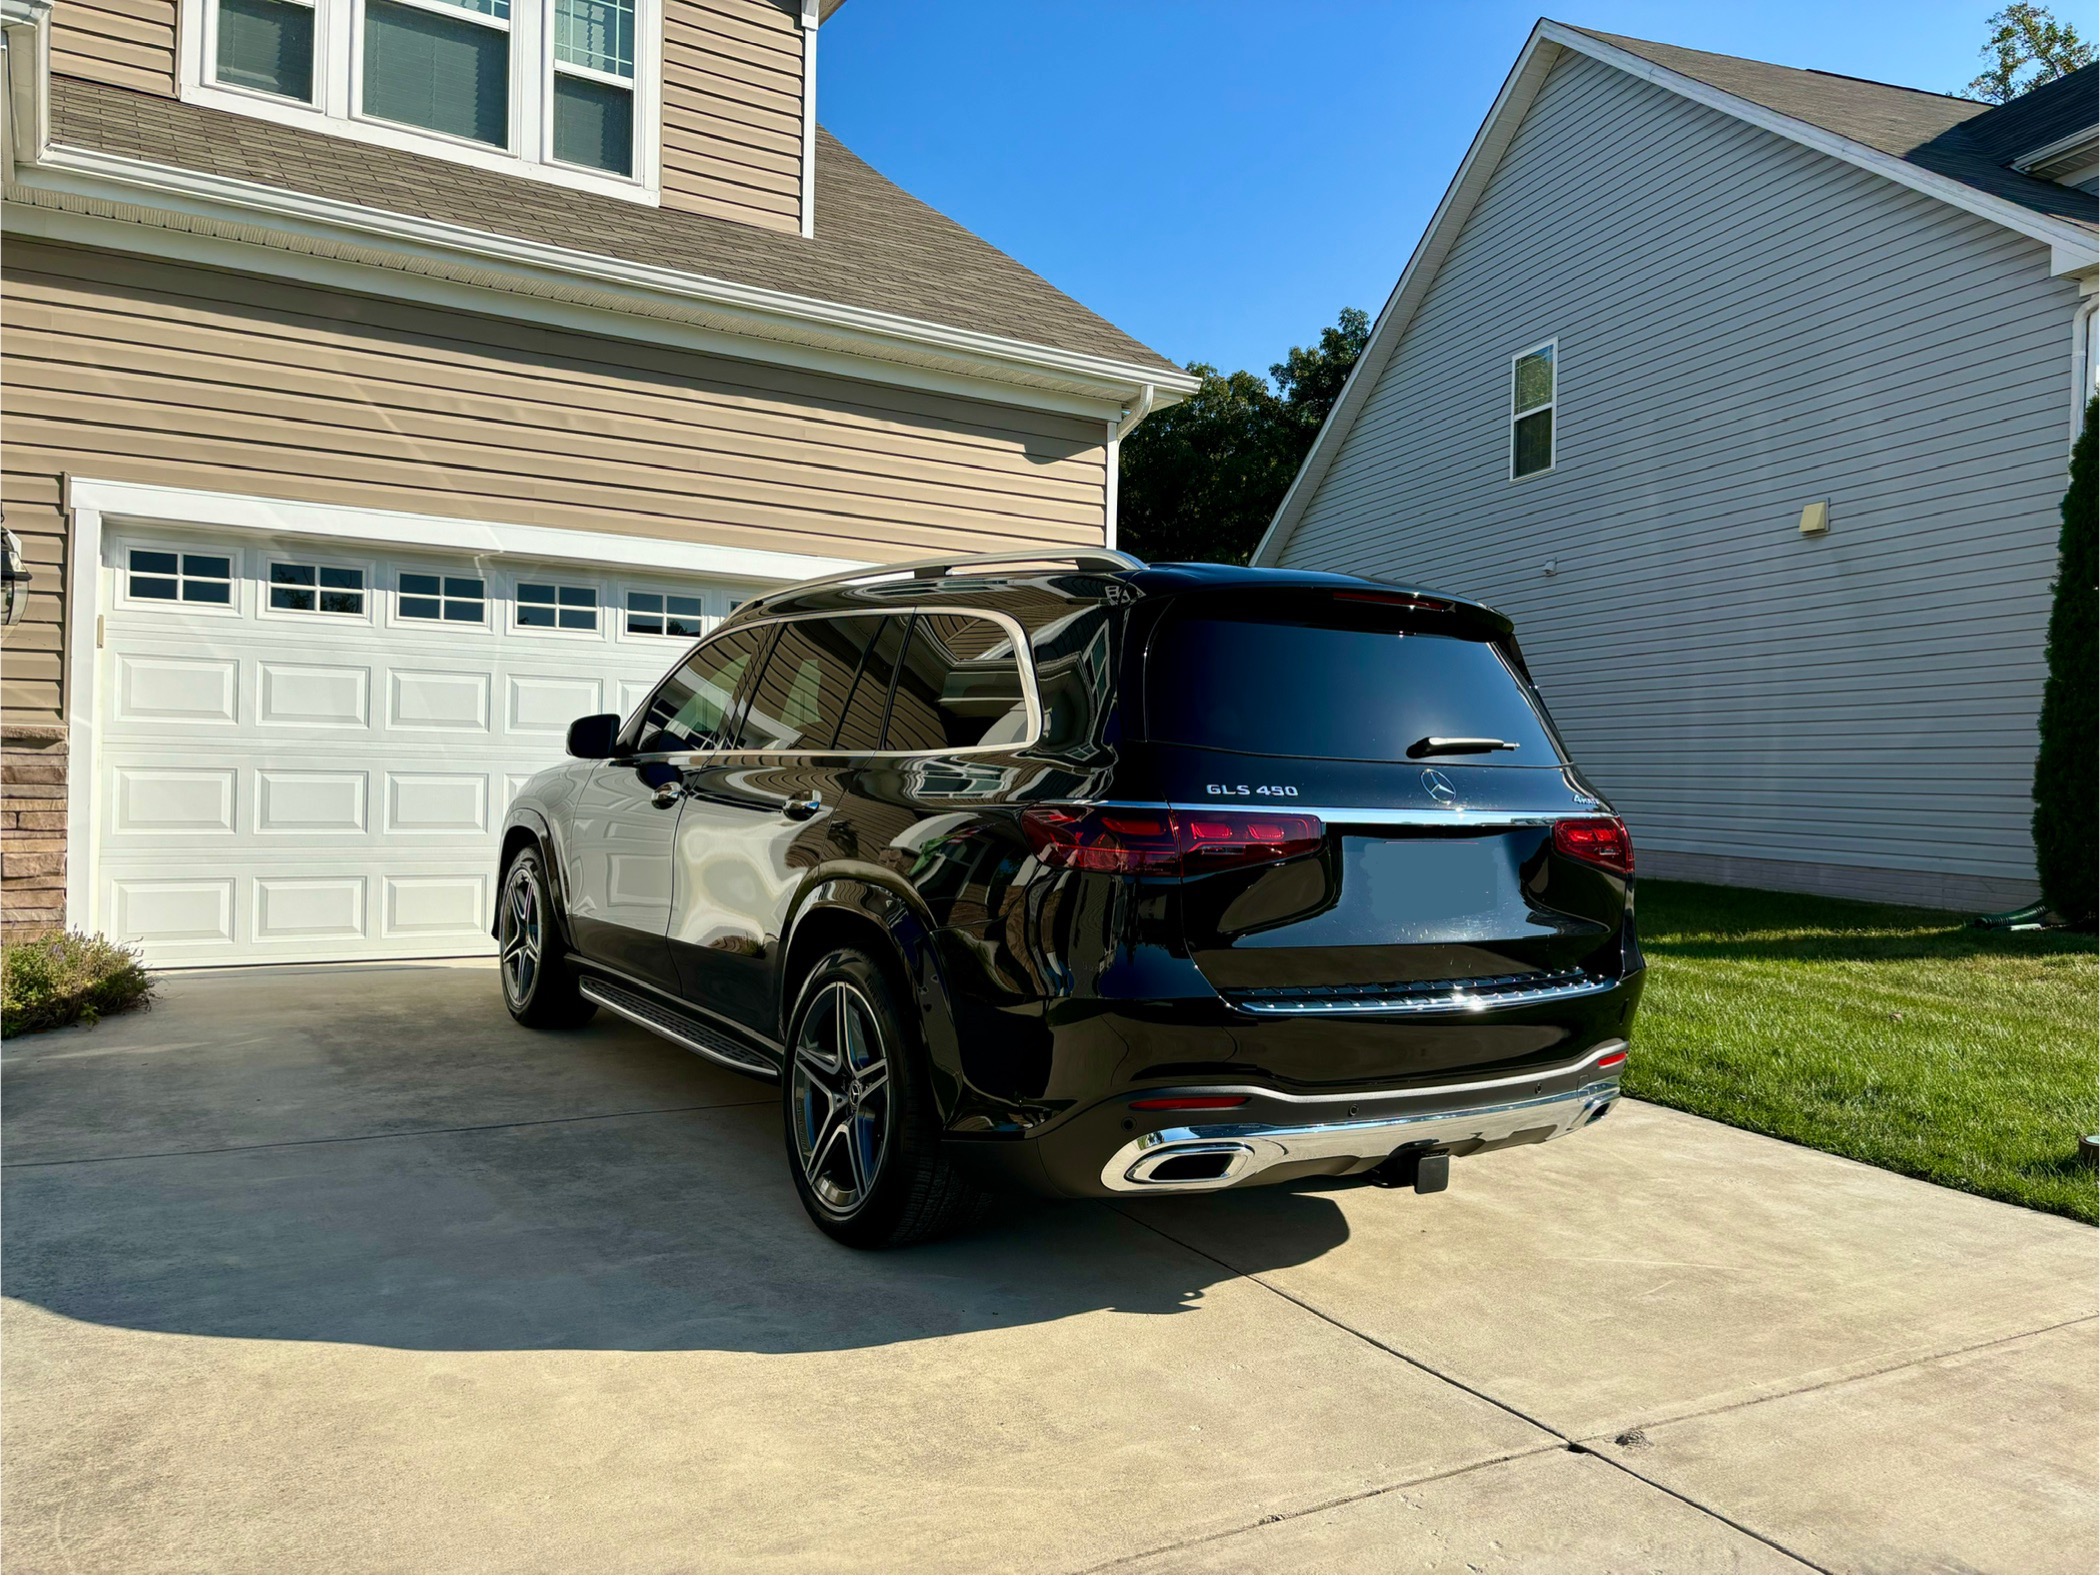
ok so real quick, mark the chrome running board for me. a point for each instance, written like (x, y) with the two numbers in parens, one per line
(687, 1033)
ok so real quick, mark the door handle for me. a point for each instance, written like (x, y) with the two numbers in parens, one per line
(667, 794)
(802, 809)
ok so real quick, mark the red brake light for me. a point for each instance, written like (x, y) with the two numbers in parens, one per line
(1168, 842)
(1423, 604)
(1190, 1102)
(1596, 840)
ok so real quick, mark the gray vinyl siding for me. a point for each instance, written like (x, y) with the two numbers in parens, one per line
(1745, 326)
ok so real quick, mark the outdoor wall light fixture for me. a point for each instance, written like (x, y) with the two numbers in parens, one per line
(1815, 519)
(14, 580)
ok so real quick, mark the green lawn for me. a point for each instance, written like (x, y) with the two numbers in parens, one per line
(1897, 1036)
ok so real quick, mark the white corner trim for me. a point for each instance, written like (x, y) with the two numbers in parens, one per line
(2071, 247)
(1111, 485)
(393, 528)
(810, 19)
(26, 25)
(751, 310)
(82, 706)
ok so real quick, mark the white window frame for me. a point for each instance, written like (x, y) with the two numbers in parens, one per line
(339, 67)
(1551, 407)
(603, 607)
(396, 619)
(264, 584)
(711, 611)
(232, 607)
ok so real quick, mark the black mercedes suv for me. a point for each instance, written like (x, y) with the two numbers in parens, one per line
(1094, 878)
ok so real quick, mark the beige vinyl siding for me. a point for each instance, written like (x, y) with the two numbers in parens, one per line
(126, 43)
(29, 670)
(732, 110)
(133, 370)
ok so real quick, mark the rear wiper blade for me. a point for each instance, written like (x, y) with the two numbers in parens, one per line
(1435, 746)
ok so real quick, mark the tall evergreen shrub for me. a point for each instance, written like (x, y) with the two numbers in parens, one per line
(2067, 768)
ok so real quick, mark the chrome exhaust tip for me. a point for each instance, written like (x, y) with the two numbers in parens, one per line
(1184, 1165)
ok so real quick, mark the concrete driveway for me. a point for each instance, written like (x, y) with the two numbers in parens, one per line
(314, 1269)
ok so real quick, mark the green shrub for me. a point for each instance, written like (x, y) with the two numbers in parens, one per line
(67, 978)
(2066, 800)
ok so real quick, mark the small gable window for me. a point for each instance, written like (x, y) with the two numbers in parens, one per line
(1532, 379)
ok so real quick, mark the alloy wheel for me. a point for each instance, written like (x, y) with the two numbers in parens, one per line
(519, 937)
(840, 1094)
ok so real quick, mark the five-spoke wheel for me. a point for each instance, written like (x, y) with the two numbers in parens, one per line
(864, 1137)
(539, 987)
(841, 1097)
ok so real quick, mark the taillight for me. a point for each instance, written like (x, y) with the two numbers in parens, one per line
(1167, 842)
(1596, 840)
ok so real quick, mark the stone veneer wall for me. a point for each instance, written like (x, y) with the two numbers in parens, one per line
(32, 829)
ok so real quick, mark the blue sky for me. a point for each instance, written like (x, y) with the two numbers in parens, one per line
(1220, 177)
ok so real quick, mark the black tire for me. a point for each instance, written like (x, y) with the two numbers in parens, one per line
(539, 987)
(863, 1133)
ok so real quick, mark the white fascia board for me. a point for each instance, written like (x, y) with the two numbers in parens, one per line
(146, 504)
(751, 312)
(2072, 248)
(1519, 88)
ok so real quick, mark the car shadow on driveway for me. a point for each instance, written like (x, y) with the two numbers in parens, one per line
(651, 1211)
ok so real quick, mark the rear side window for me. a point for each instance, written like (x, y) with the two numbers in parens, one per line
(800, 698)
(959, 686)
(688, 709)
(1362, 694)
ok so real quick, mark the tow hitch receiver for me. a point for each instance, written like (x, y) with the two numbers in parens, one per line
(1425, 1171)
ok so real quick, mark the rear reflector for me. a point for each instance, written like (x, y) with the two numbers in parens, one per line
(1190, 1102)
(1606, 1062)
(1168, 842)
(1596, 840)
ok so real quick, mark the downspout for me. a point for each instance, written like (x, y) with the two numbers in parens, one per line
(25, 118)
(809, 118)
(2085, 355)
(1132, 415)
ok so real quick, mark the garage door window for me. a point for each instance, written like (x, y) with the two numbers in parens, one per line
(542, 605)
(445, 599)
(317, 588)
(156, 576)
(649, 613)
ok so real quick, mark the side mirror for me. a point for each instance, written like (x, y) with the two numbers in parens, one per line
(594, 738)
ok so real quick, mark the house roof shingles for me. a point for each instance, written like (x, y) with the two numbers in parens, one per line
(1954, 137)
(876, 247)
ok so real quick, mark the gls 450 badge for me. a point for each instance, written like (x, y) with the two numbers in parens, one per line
(1256, 791)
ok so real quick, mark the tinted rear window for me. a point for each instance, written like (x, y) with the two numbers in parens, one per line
(1362, 694)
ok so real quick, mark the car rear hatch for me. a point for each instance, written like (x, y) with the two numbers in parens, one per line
(1381, 787)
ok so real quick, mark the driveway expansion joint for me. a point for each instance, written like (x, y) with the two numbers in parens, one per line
(1567, 1442)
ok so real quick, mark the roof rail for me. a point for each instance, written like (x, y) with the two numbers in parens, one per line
(934, 568)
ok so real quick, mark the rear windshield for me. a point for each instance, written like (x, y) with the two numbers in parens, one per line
(1266, 687)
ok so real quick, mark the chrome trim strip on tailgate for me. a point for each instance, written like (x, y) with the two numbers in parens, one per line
(1337, 815)
(1455, 1001)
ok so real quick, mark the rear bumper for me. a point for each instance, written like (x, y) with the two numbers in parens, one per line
(1176, 1159)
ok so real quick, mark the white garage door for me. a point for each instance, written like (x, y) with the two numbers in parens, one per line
(306, 753)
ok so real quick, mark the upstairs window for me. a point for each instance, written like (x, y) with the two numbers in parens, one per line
(559, 90)
(1532, 377)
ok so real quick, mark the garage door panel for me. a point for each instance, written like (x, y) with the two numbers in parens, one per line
(425, 803)
(304, 695)
(163, 689)
(427, 699)
(165, 801)
(272, 786)
(290, 802)
(545, 704)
